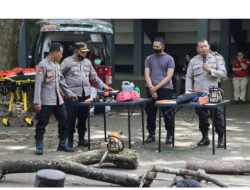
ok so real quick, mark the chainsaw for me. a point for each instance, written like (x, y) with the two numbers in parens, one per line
(114, 145)
(216, 94)
(106, 95)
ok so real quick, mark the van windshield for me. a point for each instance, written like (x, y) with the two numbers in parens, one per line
(95, 43)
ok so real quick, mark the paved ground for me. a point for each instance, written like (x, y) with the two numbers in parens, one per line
(18, 143)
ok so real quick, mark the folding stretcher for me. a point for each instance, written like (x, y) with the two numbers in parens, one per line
(16, 86)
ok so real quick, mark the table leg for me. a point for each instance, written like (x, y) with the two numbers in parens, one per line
(105, 126)
(129, 133)
(173, 133)
(213, 131)
(142, 122)
(225, 125)
(89, 129)
(159, 143)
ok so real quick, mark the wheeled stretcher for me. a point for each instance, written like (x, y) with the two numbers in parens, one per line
(15, 87)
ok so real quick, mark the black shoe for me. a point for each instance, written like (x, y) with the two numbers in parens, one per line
(203, 142)
(220, 141)
(39, 147)
(83, 143)
(70, 141)
(150, 139)
(39, 151)
(169, 140)
(70, 144)
(65, 148)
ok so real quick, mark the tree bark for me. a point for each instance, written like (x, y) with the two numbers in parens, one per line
(10, 32)
(75, 165)
(199, 174)
(24, 166)
(126, 159)
(220, 167)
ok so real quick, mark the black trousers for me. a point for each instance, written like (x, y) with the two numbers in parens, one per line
(43, 119)
(77, 112)
(182, 90)
(205, 113)
(151, 111)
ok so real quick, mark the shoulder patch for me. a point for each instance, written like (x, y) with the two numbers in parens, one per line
(62, 64)
(40, 70)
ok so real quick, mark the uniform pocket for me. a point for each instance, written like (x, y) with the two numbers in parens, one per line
(50, 75)
(213, 65)
(197, 70)
(86, 71)
(75, 70)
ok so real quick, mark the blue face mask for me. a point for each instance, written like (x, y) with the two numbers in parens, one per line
(98, 61)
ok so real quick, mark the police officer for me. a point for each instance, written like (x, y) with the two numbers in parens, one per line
(205, 70)
(47, 98)
(78, 72)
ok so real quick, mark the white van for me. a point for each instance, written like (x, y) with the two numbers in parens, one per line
(69, 31)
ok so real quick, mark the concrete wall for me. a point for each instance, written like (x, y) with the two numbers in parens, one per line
(178, 32)
(181, 37)
(246, 26)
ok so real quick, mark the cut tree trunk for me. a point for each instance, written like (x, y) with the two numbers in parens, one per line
(126, 159)
(114, 177)
(220, 167)
(200, 174)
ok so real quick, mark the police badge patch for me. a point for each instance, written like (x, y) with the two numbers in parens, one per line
(40, 70)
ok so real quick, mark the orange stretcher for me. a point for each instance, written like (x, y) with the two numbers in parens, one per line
(18, 84)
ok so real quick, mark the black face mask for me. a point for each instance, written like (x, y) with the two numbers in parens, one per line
(79, 57)
(158, 51)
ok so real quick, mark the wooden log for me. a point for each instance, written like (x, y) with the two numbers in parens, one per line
(199, 174)
(25, 166)
(220, 167)
(126, 159)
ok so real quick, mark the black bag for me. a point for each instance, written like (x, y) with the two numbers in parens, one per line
(188, 97)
